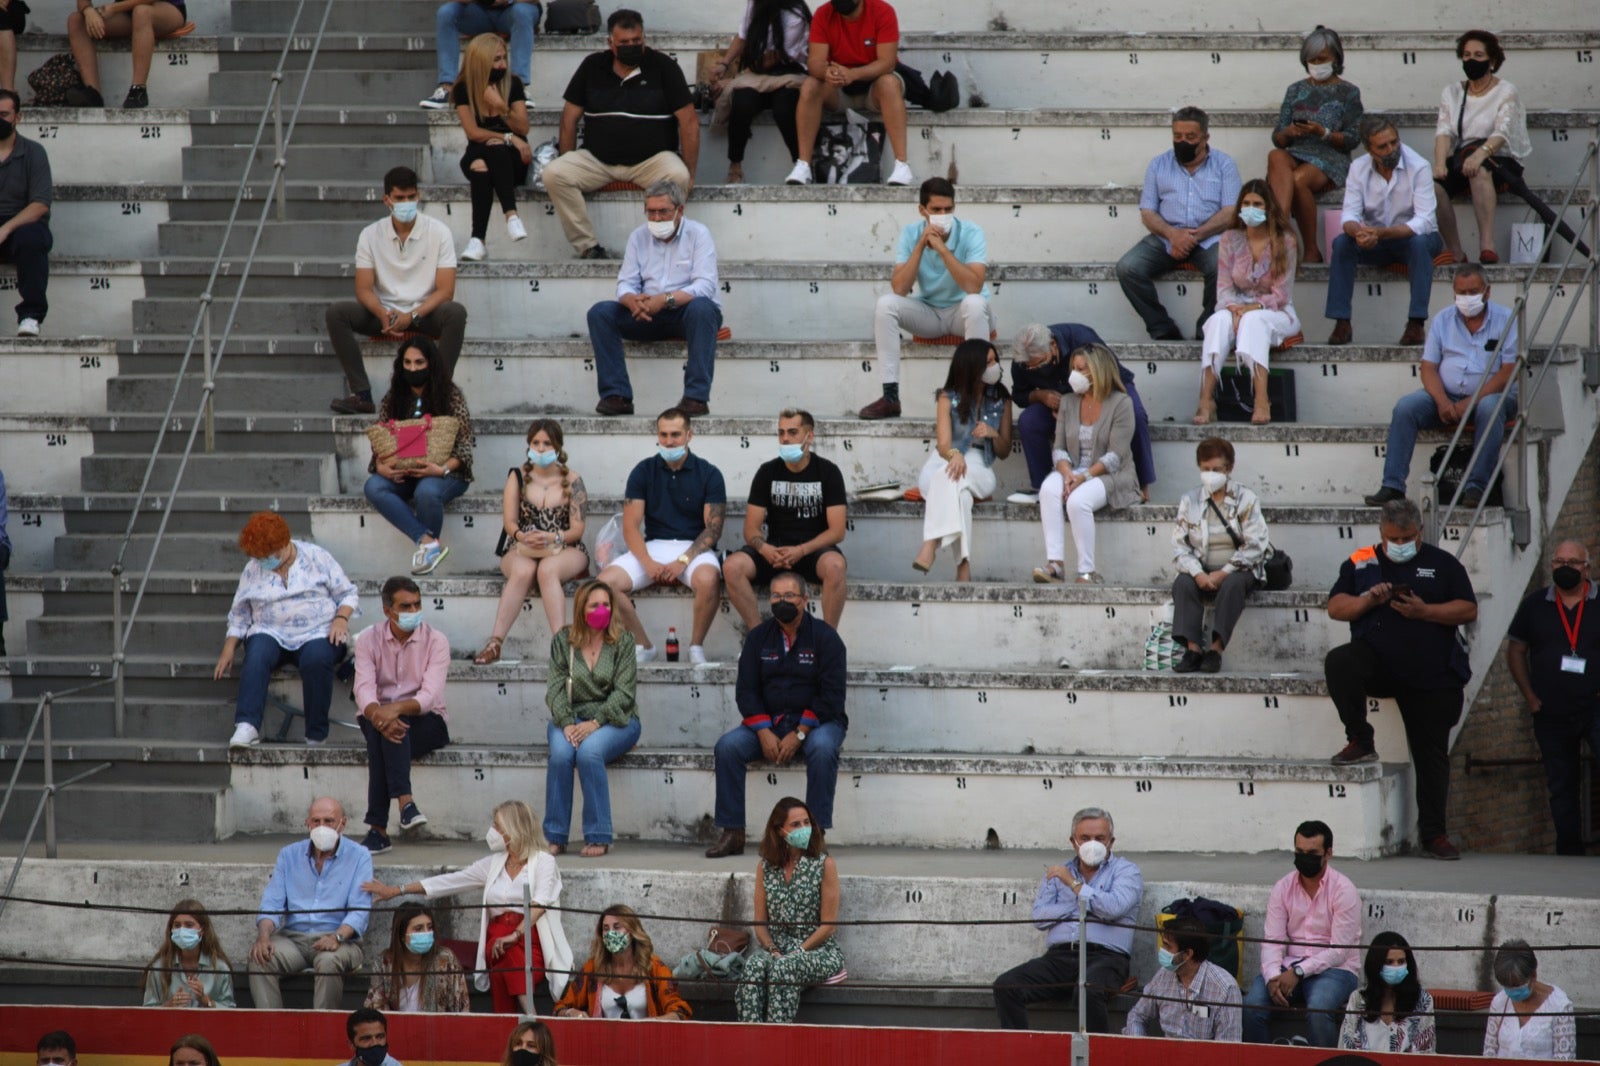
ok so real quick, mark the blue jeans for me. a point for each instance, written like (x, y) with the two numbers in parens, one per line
(1136, 273)
(456, 20)
(1415, 252)
(1416, 411)
(1324, 995)
(414, 506)
(389, 761)
(604, 745)
(315, 659)
(740, 746)
(697, 322)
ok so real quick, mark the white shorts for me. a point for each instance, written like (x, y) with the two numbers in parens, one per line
(664, 551)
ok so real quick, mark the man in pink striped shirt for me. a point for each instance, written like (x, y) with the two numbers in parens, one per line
(400, 673)
(1309, 959)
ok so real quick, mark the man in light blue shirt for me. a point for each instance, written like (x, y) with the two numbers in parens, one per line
(1104, 886)
(667, 289)
(1468, 361)
(1189, 197)
(946, 260)
(313, 911)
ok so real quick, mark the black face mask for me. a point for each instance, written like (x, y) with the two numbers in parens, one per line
(7, 128)
(1185, 151)
(374, 1055)
(1474, 68)
(524, 1057)
(630, 55)
(785, 612)
(416, 378)
(846, 7)
(1308, 865)
(496, 73)
(1567, 578)
(1388, 162)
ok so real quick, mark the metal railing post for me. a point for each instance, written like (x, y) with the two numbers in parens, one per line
(279, 162)
(1080, 1039)
(1594, 236)
(208, 386)
(527, 945)
(49, 781)
(119, 685)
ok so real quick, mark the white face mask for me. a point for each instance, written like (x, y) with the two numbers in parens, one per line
(324, 838)
(1079, 381)
(1092, 853)
(991, 374)
(495, 839)
(942, 223)
(1470, 306)
(662, 229)
(1320, 71)
(1213, 481)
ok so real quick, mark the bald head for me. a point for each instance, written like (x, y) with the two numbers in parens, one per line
(325, 810)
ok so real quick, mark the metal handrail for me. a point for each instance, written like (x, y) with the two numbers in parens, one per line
(1590, 282)
(200, 333)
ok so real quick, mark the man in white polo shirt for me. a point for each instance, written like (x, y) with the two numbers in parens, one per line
(405, 283)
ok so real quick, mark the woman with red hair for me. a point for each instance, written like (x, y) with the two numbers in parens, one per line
(294, 604)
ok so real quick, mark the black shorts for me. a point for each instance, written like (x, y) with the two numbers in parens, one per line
(806, 567)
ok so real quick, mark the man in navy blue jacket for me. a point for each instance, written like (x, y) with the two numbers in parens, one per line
(791, 700)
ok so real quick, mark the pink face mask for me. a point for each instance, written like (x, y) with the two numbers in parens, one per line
(598, 616)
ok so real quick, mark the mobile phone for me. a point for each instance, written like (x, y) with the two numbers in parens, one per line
(1400, 590)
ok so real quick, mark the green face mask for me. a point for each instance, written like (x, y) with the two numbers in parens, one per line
(799, 839)
(616, 940)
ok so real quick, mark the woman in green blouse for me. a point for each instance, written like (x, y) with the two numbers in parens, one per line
(190, 969)
(594, 717)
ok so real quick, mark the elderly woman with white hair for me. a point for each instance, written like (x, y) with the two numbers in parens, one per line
(1040, 378)
(1528, 1019)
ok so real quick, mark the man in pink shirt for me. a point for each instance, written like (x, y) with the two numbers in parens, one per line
(1309, 910)
(400, 673)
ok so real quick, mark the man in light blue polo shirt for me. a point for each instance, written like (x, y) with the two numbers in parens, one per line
(946, 259)
(1468, 361)
(1188, 200)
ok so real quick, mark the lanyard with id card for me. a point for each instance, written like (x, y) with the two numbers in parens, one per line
(1573, 663)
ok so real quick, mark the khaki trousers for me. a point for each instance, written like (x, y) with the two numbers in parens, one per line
(292, 953)
(569, 177)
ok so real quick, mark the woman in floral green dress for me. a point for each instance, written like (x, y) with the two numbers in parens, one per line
(797, 902)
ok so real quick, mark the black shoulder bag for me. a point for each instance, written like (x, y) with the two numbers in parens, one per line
(1279, 567)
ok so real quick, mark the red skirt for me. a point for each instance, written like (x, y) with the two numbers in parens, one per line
(506, 981)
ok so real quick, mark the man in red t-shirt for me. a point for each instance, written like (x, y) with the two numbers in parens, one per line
(854, 47)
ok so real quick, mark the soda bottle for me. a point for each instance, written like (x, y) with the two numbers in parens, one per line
(672, 645)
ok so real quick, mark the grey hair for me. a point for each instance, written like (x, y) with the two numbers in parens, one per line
(1193, 114)
(1515, 964)
(1033, 339)
(1373, 124)
(1319, 39)
(1470, 270)
(1090, 813)
(1402, 514)
(665, 187)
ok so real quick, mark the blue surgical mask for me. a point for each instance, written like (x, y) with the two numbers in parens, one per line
(270, 562)
(1400, 553)
(1252, 216)
(420, 943)
(1166, 960)
(1519, 993)
(542, 458)
(409, 620)
(799, 839)
(185, 939)
(791, 453)
(672, 455)
(406, 211)
(1393, 975)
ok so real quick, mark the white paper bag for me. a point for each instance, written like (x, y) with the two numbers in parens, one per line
(1526, 240)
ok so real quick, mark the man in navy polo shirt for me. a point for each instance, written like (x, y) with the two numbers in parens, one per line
(679, 500)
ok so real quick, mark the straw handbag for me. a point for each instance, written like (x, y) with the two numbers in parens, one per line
(413, 442)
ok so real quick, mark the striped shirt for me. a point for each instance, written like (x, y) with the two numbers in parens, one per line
(1191, 1013)
(628, 120)
(1186, 200)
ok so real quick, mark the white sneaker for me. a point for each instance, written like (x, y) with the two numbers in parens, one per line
(697, 655)
(800, 175)
(642, 654)
(244, 736)
(439, 101)
(1024, 496)
(28, 327)
(515, 229)
(315, 743)
(901, 175)
(475, 250)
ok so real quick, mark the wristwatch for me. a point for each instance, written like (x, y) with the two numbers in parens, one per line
(1298, 972)
(672, 301)
(801, 734)
(684, 559)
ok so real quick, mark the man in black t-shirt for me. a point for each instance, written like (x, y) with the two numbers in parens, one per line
(1554, 656)
(639, 126)
(1403, 600)
(800, 498)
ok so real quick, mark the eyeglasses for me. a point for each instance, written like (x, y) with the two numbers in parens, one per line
(789, 597)
(1579, 563)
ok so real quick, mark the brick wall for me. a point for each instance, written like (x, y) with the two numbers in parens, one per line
(1507, 808)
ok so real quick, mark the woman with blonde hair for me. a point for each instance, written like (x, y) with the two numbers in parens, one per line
(541, 541)
(623, 978)
(190, 969)
(592, 694)
(417, 972)
(1094, 463)
(491, 103)
(517, 857)
(1255, 298)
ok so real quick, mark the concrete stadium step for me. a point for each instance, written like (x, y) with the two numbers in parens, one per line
(214, 162)
(294, 472)
(98, 810)
(179, 68)
(73, 373)
(901, 799)
(146, 142)
(771, 300)
(89, 297)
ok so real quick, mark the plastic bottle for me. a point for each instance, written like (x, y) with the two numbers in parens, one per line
(672, 645)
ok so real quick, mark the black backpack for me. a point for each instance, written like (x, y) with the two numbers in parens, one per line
(52, 80)
(572, 16)
(941, 93)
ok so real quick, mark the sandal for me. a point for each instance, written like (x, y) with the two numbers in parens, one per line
(594, 851)
(556, 849)
(490, 653)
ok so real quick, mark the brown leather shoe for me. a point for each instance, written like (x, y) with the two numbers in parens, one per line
(1341, 332)
(694, 408)
(1416, 332)
(614, 405)
(730, 843)
(882, 407)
